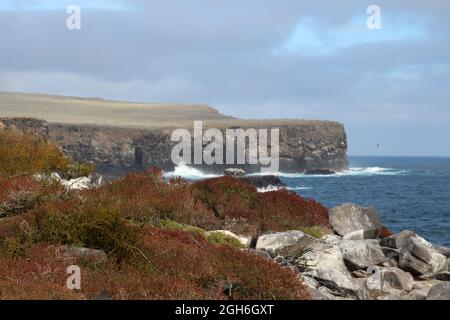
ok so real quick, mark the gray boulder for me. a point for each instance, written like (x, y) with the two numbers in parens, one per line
(331, 239)
(361, 235)
(325, 263)
(397, 240)
(348, 218)
(441, 291)
(276, 241)
(234, 172)
(360, 254)
(84, 253)
(442, 250)
(414, 265)
(397, 279)
(420, 258)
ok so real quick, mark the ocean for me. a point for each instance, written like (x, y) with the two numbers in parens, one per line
(408, 192)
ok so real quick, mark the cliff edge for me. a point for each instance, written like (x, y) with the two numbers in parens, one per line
(122, 137)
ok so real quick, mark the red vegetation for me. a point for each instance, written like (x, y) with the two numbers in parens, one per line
(145, 262)
(179, 266)
(12, 186)
(284, 210)
(232, 198)
(385, 232)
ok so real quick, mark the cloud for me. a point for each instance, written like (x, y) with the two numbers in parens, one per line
(309, 37)
(284, 59)
(51, 5)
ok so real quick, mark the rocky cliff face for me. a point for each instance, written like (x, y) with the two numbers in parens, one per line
(26, 125)
(118, 151)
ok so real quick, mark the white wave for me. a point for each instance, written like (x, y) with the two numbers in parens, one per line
(186, 172)
(369, 171)
(275, 188)
(269, 189)
(299, 188)
(356, 171)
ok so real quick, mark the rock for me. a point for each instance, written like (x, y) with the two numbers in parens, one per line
(442, 250)
(310, 282)
(440, 291)
(397, 278)
(82, 183)
(323, 262)
(262, 182)
(361, 235)
(282, 261)
(397, 240)
(332, 239)
(96, 180)
(390, 294)
(391, 253)
(443, 276)
(362, 274)
(233, 172)
(322, 172)
(414, 265)
(276, 241)
(245, 241)
(349, 218)
(360, 254)
(84, 253)
(374, 282)
(419, 257)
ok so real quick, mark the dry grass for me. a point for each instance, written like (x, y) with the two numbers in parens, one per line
(106, 113)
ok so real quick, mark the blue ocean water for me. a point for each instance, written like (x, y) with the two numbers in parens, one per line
(408, 192)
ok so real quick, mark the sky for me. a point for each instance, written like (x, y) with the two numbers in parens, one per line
(249, 59)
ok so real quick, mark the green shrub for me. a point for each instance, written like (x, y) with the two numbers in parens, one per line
(220, 238)
(316, 232)
(168, 224)
(77, 170)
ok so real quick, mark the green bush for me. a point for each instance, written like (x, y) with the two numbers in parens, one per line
(220, 238)
(78, 169)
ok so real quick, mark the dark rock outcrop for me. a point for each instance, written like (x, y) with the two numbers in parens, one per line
(264, 181)
(26, 125)
(319, 172)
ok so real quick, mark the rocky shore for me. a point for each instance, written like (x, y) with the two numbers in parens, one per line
(355, 262)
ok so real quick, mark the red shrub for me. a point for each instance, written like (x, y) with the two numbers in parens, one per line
(179, 266)
(231, 198)
(147, 197)
(283, 210)
(385, 232)
(11, 186)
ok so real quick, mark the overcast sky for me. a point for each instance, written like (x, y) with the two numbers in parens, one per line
(250, 59)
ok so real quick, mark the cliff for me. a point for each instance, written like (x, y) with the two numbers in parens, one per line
(122, 137)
